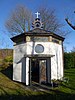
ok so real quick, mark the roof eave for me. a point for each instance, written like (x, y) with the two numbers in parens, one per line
(34, 33)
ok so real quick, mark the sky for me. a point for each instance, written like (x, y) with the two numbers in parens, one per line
(63, 9)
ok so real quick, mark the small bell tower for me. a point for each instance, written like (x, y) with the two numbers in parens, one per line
(37, 22)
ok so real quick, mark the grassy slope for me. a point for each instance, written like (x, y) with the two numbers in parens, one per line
(69, 88)
(14, 91)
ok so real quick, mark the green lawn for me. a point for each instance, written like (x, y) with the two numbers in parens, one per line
(10, 90)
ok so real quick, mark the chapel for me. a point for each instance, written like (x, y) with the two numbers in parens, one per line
(37, 55)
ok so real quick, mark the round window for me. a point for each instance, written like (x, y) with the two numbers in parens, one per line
(39, 48)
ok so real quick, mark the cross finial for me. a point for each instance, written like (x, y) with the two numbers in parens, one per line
(37, 14)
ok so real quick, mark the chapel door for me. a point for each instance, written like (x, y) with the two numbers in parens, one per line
(43, 71)
(35, 70)
(39, 70)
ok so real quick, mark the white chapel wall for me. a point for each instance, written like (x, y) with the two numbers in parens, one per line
(19, 62)
(47, 48)
(19, 65)
(56, 61)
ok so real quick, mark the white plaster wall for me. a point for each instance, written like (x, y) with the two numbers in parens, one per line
(60, 63)
(17, 72)
(56, 61)
(27, 71)
(19, 52)
(47, 47)
(19, 62)
(26, 48)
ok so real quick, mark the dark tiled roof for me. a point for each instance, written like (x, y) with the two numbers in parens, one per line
(37, 32)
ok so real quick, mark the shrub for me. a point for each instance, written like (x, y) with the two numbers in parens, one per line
(69, 60)
(6, 62)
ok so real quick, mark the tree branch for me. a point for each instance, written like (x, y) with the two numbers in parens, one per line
(70, 23)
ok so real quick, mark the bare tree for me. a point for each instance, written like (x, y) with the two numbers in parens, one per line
(50, 21)
(19, 21)
(69, 23)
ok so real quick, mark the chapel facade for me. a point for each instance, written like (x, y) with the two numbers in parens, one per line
(37, 55)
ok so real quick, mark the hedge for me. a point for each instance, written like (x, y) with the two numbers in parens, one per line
(69, 60)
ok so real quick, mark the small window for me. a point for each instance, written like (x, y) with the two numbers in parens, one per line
(39, 48)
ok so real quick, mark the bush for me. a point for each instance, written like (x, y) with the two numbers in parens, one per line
(69, 60)
(6, 62)
(8, 59)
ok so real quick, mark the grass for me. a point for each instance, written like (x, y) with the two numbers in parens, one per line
(10, 90)
(69, 88)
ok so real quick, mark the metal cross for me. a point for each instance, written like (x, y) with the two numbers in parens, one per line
(37, 14)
